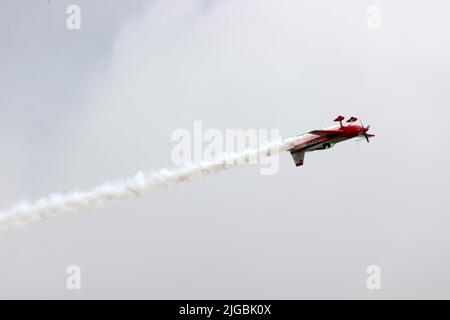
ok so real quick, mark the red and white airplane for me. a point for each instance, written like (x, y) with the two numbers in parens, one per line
(327, 138)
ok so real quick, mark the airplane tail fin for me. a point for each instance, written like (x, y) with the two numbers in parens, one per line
(298, 157)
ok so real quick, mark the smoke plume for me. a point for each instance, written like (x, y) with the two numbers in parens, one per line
(57, 203)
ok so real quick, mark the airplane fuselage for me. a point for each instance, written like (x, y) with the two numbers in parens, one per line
(325, 138)
(312, 141)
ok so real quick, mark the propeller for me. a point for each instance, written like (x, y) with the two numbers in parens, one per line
(365, 131)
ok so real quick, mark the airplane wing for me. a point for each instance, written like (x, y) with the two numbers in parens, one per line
(326, 133)
(298, 157)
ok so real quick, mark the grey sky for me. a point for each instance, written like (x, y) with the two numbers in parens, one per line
(83, 107)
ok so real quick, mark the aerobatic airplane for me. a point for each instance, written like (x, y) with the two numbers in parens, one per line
(327, 138)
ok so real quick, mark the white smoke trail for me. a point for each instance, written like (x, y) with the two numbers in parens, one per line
(58, 203)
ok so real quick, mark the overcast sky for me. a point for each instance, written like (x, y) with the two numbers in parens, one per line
(80, 107)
